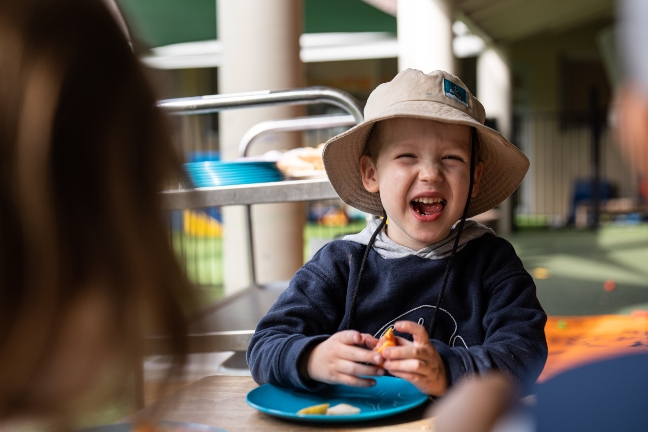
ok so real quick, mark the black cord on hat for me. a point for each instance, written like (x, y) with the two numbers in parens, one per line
(362, 266)
(459, 230)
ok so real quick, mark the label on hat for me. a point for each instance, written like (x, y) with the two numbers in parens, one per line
(455, 92)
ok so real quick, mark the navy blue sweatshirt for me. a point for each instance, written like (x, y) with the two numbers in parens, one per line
(489, 317)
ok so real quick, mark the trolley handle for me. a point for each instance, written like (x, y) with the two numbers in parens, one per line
(302, 96)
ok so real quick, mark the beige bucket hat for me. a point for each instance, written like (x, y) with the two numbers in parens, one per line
(435, 96)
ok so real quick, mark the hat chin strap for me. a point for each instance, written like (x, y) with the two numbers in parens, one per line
(462, 222)
(362, 266)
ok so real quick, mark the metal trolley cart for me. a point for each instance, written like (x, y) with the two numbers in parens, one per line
(229, 324)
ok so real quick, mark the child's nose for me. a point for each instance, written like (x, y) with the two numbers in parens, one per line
(431, 173)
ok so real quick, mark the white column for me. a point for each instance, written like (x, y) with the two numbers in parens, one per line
(260, 52)
(494, 92)
(425, 35)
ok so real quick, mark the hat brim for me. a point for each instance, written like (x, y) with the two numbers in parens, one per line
(504, 164)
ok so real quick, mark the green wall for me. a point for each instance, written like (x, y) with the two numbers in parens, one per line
(163, 22)
(324, 16)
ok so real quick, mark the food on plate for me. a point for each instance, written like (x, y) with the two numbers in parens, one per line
(386, 340)
(321, 409)
(315, 409)
(304, 159)
(343, 409)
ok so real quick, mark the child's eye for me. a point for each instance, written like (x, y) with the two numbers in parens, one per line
(406, 155)
(453, 157)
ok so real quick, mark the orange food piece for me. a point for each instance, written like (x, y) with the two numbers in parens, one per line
(386, 340)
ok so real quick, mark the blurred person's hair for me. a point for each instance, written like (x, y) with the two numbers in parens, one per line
(86, 265)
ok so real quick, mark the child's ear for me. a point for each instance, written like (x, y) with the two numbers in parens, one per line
(369, 174)
(479, 170)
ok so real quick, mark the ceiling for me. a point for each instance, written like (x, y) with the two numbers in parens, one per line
(511, 20)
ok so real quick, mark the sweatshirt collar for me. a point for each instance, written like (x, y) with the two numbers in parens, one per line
(389, 249)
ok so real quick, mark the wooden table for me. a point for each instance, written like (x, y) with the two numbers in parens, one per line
(220, 401)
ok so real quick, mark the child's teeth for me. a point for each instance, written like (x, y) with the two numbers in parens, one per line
(430, 200)
(428, 205)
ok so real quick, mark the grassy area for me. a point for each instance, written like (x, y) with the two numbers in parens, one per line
(203, 260)
(577, 264)
(203, 256)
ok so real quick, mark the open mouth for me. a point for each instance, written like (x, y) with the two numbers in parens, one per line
(427, 206)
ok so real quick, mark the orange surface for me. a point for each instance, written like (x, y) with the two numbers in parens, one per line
(574, 341)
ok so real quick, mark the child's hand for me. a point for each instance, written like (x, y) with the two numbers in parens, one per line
(417, 362)
(338, 360)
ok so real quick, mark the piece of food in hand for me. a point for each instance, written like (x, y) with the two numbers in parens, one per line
(343, 409)
(386, 340)
(314, 410)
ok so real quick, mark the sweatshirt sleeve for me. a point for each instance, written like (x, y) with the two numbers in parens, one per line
(308, 312)
(513, 322)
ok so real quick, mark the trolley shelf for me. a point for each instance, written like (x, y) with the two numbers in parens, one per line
(259, 193)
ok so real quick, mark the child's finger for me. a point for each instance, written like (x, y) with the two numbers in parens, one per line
(418, 332)
(354, 381)
(349, 337)
(414, 366)
(368, 340)
(361, 355)
(407, 376)
(357, 369)
(400, 341)
(408, 351)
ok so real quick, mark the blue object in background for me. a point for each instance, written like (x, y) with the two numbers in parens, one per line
(175, 219)
(212, 174)
(584, 193)
(610, 395)
(317, 211)
(213, 212)
(204, 156)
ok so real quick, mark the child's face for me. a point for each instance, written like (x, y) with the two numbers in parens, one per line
(422, 173)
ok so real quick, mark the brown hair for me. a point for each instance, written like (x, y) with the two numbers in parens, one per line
(86, 266)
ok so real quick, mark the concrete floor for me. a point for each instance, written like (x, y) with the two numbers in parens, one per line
(578, 263)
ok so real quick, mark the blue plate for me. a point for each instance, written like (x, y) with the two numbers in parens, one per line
(209, 174)
(388, 397)
(169, 427)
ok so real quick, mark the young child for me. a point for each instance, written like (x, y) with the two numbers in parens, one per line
(457, 296)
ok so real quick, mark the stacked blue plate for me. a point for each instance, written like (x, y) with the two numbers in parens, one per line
(215, 173)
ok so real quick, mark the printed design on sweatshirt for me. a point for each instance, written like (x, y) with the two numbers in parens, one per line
(453, 337)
